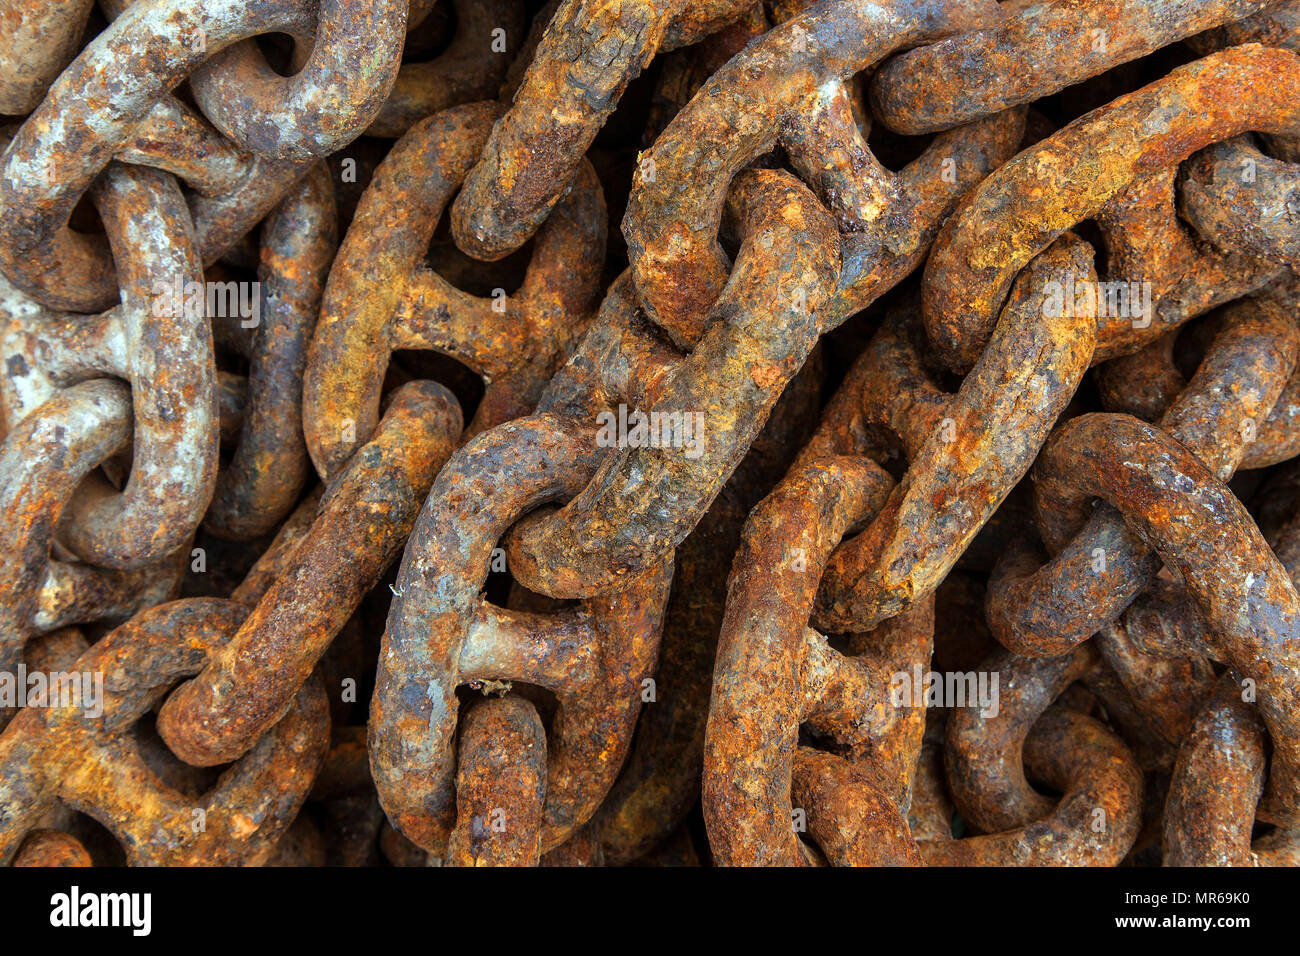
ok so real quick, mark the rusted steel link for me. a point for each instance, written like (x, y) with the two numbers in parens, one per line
(39, 39)
(589, 53)
(1278, 25)
(931, 812)
(774, 673)
(965, 459)
(381, 297)
(168, 350)
(788, 88)
(442, 634)
(660, 781)
(769, 318)
(1145, 383)
(1240, 199)
(265, 476)
(471, 68)
(52, 848)
(1220, 770)
(67, 592)
(356, 49)
(92, 762)
(1216, 785)
(1036, 50)
(42, 462)
(1072, 175)
(157, 343)
(1097, 818)
(1177, 505)
(500, 785)
(1044, 609)
(248, 685)
(1158, 649)
(175, 138)
(96, 105)
(1166, 691)
(850, 817)
(1158, 270)
(682, 72)
(983, 753)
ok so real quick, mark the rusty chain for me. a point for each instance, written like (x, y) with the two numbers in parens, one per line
(573, 433)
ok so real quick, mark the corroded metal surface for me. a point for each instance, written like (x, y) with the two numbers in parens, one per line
(381, 297)
(1036, 50)
(594, 433)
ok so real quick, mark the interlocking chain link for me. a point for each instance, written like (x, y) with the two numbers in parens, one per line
(931, 501)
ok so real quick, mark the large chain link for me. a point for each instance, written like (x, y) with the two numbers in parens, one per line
(855, 488)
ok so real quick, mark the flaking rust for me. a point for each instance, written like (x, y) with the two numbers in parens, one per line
(876, 501)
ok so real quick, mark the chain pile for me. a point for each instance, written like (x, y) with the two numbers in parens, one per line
(649, 431)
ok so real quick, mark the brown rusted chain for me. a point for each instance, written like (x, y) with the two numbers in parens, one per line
(1238, 198)
(39, 39)
(589, 53)
(1217, 783)
(965, 456)
(684, 71)
(1096, 819)
(260, 485)
(930, 815)
(363, 523)
(1158, 274)
(97, 103)
(500, 786)
(546, 690)
(1274, 25)
(733, 376)
(158, 343)
(1036, 50)
(553, 450)
(381, 297)
(983, 755)
(442, 634)
(1015, 213)
(471, 68)
(1044, 609)
(660, 780)
(1145, 383)
(773, 673)
(90, 763)
(1222, 762)
(356, 49)
(168, 352)
(1277, 24)
(1221, 571)
(37, 478)
(1253, 212)
(886, 220)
